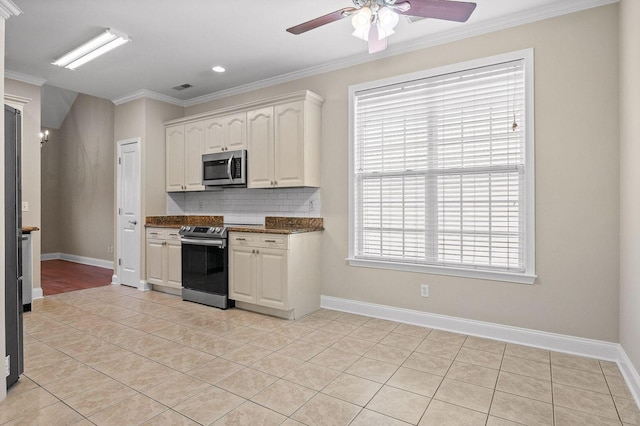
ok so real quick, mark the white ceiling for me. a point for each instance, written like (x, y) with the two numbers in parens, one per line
(176, 42)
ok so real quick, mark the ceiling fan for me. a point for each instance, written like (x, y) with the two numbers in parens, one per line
(374, 20)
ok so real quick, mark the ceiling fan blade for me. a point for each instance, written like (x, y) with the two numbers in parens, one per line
(376, 45)
(458, 11)
(322, 20)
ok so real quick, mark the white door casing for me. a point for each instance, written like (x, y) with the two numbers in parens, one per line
(129, 222)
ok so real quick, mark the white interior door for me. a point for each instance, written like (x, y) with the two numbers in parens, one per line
(129, 223)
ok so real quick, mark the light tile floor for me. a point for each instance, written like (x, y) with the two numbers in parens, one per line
(117, 356)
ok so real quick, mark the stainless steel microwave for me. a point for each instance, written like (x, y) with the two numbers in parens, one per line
(227, 168)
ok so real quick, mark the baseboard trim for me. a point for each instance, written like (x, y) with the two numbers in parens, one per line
(100, 263)
(551, 341)
(143, 285)
(630, 374)
(37, 293)
(49, 256)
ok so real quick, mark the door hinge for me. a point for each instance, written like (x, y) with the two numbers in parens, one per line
(119, 262)
(119, 160)
(119, 211)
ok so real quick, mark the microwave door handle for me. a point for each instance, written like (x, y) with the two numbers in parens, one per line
(229, 168)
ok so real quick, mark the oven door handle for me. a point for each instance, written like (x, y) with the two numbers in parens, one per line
(203, 242)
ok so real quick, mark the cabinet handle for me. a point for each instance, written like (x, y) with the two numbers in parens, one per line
(253, 251)
(269, 241)
(241, 239)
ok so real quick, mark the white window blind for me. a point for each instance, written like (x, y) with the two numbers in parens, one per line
(439, 169)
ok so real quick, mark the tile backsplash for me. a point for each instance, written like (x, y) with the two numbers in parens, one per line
(242, 205)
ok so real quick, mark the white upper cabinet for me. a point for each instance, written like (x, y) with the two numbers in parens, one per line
(226, 133)
(184, 149)
(260, 146)
(283, 145)
(281, 135)
(194, 148)
(175, 158)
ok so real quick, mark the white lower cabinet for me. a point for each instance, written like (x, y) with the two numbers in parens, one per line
(274, 273)
(164, 257)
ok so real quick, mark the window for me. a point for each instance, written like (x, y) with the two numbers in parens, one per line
(442, 170)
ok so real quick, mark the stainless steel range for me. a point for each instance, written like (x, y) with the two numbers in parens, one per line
(205, 266)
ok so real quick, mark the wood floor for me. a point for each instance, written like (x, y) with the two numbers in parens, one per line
(60, 276)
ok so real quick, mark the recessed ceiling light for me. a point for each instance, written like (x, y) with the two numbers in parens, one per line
(218, 68)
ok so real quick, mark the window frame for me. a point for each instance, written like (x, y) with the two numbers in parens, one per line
(529, 275)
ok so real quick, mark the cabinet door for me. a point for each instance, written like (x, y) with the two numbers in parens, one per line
(213, 135)
(174, 263)
(260, 148)
(236, 131)
(174, 168)
(155, 254)
(289, 144)
(242, 282)
(272, 278)
(194, 148)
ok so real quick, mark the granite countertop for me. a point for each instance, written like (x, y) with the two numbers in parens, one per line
(29, 229)
(272, 224)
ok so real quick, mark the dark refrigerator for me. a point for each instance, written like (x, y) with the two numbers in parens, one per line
(13, 244)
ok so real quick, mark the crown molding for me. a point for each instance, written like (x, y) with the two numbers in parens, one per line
(19, 100)
(144, 93)
(25, 78)
(9, 8)
(469, 30)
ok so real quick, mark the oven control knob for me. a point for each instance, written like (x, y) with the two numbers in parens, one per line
(217, 230)
(187, 228)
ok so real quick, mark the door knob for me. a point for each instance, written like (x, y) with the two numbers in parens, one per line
(133, 222)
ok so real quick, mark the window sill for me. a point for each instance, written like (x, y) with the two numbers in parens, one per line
(512, 277)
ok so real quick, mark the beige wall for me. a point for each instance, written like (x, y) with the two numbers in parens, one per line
(155, 195)
(85, 179)
(576, 70)
(51, 231)
(31, 156)
(630, 180)
(144, 118)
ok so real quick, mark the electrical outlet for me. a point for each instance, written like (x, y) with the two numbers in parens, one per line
(200, 205)
(25, 206)
(312, 207)
(109, 249)
(424, 290)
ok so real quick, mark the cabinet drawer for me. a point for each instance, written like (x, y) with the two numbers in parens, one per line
(273, 240)
(156, 233)
(172, 234)
(242, 238)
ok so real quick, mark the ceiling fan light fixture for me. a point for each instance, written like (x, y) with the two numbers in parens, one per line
(362, 19)
(382, 33)
(387, 19)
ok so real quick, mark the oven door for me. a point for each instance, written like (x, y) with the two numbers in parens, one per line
(205, 265)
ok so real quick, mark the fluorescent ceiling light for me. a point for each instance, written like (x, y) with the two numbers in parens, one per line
(218, 68)
(95, 47)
